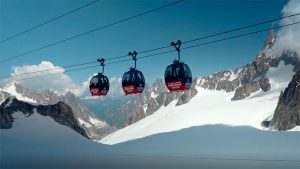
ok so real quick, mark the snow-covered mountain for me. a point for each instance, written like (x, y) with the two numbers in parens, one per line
(38, 141)
(108, 109)
(16, 90)
(94, 127)
(243, 81)
(11, 109)
(245, 96)
(217, 124)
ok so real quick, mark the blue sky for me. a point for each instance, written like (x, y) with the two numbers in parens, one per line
(185, 21)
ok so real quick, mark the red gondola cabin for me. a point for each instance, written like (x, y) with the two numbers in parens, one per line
(133, 82)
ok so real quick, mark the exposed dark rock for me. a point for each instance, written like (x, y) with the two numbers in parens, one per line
(261, 64)
(28, 93)
(171, 96)
(184, 98)
(270, 39)
(3, 96)
(155, 103)
(152, 106)
(188, 94)
(245, 90)
(136, 117)
(243, 80)
(249, 73)
(8, 107)
(288, 57)
(80, 111)
(265, 123)
(60, 112)
(287, 113)
(209, 82)
(265, 84)
(228, 86)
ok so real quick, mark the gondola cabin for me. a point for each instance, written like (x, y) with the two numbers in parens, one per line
(133, 82)
(178, 76)
(99, 85)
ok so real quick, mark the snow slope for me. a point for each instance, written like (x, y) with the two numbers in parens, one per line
(210, 107)
(37, 127)
(39, 142)
(11, 89)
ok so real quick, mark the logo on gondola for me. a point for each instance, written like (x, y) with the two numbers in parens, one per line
(94, 91)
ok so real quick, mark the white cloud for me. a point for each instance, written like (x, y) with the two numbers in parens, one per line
(60, 83)
(115, 87)
(288, 37)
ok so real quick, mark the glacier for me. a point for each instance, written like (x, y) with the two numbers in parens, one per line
(210, 107)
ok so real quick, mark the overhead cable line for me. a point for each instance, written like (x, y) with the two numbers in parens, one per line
(164, 47)
(71, 70)
(241, 35)
(170, 51)
(240, 28)
(47, 70)
(46, 22)
(91, 31)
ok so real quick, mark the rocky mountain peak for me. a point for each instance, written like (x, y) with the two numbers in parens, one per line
(287, 113)
(243, 81)
(60, 112)
(159, 85)
(270, 39)
(69, 94)
(292, 92)
(86, 119)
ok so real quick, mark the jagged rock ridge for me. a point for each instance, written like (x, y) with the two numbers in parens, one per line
(93, 126)
(60, 112)
(287, 113)
(243, 81)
